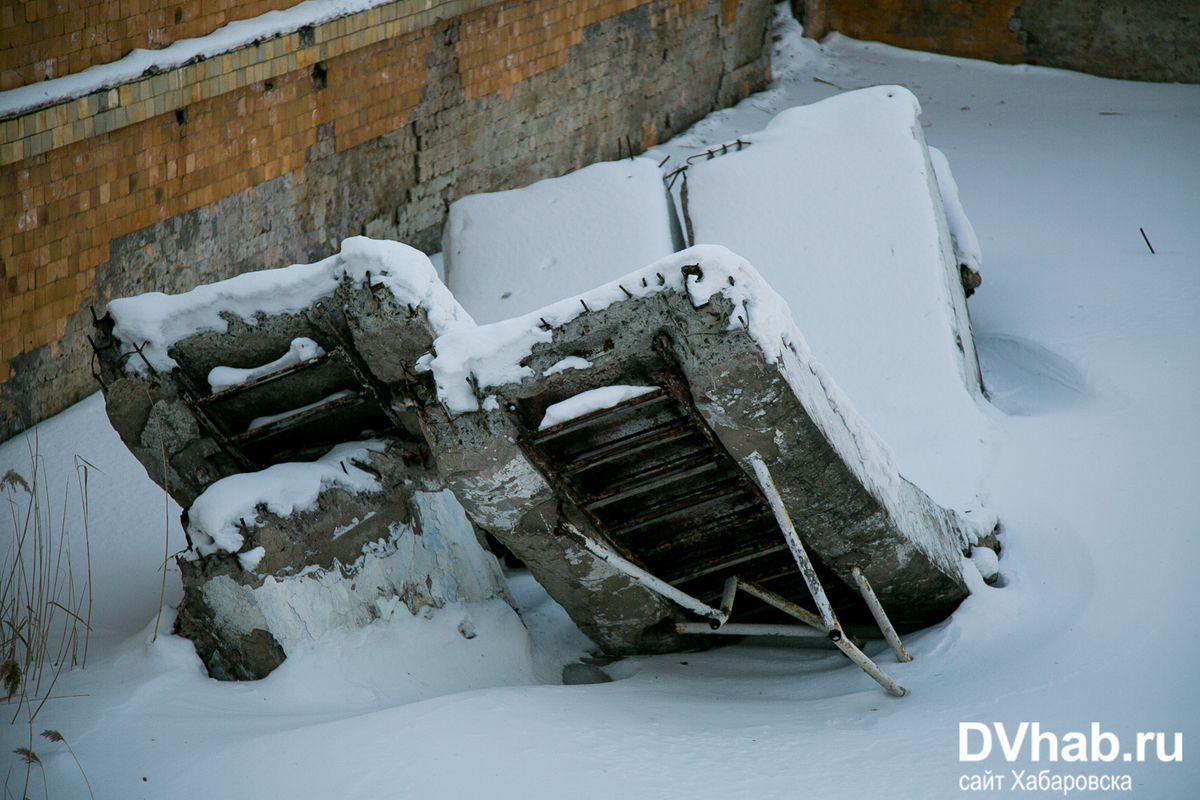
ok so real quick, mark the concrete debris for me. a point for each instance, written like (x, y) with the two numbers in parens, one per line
(315, 488)
(662, 478)
(282, 571)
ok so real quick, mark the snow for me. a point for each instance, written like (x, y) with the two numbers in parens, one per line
(585, 403)
(158, 320)
(259, 422)
(570, 362)
(138, 62)
(986, 561)
(250, 559)
(438, 564)
(1090, 464)
(834, 204)
(301, 349)
(282, 489)
(966, 244)
(509, 253)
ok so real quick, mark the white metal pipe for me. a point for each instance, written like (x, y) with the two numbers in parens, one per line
(731, 587)
(751, 629)
(793, 540)
(652, 583)
(813, 582)
(868, 666)
(881, 617)
(783, 604)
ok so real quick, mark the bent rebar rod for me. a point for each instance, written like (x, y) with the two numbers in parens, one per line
(813, 582)
(881, 617)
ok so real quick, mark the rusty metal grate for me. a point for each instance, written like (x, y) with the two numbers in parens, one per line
(655, 480)
(341, 406)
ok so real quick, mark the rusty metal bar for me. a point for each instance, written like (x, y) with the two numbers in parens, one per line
(750, 629)
(732, 562)
(291, 421)
(881, 618)
(270, 377)
(188, 392)
(655, 479)
(656, 585)
(686, 502)
(784, 605)
(649, 437)
(527, 445)
(809, 573)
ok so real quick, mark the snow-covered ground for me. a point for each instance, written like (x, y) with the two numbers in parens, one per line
(1091, 348)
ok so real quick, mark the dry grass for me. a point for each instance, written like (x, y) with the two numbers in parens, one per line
(45, 594)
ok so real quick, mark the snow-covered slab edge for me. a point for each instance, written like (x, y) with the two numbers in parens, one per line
(141, 63)
(282, 489)
(966, 243)
(154, 321)
(467, 361)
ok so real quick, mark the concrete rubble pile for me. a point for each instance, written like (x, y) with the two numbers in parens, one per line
(310, 493)
(342, 437)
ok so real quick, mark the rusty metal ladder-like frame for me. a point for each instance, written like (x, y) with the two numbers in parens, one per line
(824, 625)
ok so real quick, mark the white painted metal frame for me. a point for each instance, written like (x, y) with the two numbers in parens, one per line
(824, 625)
(836, 634)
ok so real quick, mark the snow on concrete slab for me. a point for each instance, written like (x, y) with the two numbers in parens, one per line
(587, 402)
(158, 320)
(837, 205)
(214, 519)
(301, 349)
(962, 233)
(433, 562)
(509, 253)
(471, 361)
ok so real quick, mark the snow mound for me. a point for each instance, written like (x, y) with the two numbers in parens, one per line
(509, 253)
(159, 320)
(837, 205)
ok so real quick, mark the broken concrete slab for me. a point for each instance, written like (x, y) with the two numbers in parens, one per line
(838, 206)
(367, 314)
(604, 440)
(660, 477)
(278, 409)
(509, 253)
(284, 555)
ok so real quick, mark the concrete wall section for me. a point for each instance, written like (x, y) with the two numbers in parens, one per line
(953, 27)
(372, 124)
(1149, 40)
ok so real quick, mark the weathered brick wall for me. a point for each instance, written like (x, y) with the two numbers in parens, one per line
(1150, 40)
(976, 29)
(372, 124)
(52, 38)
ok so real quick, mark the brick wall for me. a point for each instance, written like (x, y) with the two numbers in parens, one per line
(372, 123)
(1149, 40)
(51, 38)
(975, 29)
